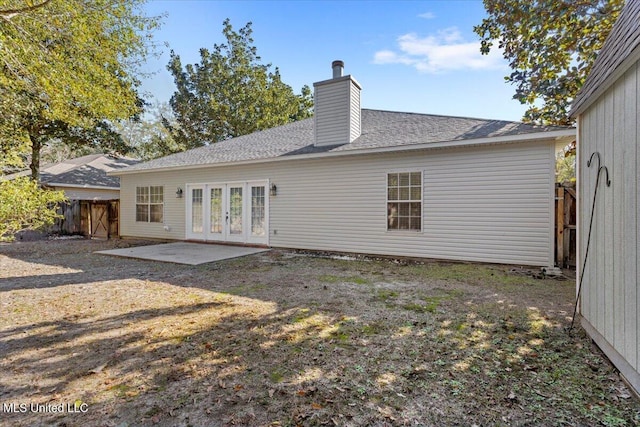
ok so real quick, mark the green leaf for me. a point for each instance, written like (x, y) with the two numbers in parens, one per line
(69, 63)
(26, 206)
(550, 46)
(230, 93)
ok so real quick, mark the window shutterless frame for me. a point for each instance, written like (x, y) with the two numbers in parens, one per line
(150, 203)
(404, 200)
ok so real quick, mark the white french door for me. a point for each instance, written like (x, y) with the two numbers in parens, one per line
(228, 212)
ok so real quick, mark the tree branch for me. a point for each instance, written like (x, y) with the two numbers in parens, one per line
(10, 13)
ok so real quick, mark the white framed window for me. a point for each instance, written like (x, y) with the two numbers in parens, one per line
(404, 201)
(150, 203)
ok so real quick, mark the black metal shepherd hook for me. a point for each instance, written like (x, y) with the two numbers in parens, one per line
(599, 169)
(593, 207)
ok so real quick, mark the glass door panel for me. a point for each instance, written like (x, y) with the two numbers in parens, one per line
(258, 210)
(235, 210)
(216, 222)
(196, 210)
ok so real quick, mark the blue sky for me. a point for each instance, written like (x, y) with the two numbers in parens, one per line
(415, 56)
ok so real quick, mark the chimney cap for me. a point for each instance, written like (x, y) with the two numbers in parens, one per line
(337, 67)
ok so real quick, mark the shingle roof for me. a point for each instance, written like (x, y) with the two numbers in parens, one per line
(380, 129)
(621, 42)
(88, 170)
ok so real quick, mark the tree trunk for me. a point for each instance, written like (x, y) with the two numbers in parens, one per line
(36, 146)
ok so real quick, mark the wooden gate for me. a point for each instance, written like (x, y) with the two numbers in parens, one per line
(100, 220)
(566, 225)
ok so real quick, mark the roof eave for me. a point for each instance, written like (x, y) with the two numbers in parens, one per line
(88, 187)
(583, 104)
(542, 136)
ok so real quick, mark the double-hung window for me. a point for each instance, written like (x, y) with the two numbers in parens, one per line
(150, 203)
(404, 201)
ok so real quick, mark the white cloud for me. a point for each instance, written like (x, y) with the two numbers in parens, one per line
(444, 51)
(389, 57)
(427, 15)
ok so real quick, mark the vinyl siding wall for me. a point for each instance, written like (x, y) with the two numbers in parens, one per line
(336, 112)
(490, 203)
(610, 298)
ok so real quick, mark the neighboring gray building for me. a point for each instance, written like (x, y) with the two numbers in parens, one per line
(608, 113)
(358, 180)
(85, 178)
(93, 195)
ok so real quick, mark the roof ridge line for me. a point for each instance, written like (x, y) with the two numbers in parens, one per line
(464, 117)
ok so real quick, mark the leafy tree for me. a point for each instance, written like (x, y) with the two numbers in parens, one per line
(25, 206)
(550, 46)
(101, 137)
(56, 151)
(67, 69)
(8, 13)
(13, 148)
(230, 93)
(148, 137)
(565, 167)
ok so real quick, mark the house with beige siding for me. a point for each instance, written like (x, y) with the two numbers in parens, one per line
(608, 116)
(359, 180)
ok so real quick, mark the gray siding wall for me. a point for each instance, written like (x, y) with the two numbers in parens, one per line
(336, 112)
(491, 203)
(610, 298)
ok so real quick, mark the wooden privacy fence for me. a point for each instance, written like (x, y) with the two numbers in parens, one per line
(96, 219)
(566, 202)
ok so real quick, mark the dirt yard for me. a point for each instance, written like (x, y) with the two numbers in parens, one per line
(287, 339)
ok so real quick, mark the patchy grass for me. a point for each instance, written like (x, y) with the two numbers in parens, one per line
(283, 339)
(429, 304)
(329, 278)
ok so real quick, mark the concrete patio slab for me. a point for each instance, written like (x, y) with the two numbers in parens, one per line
(184, 252)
